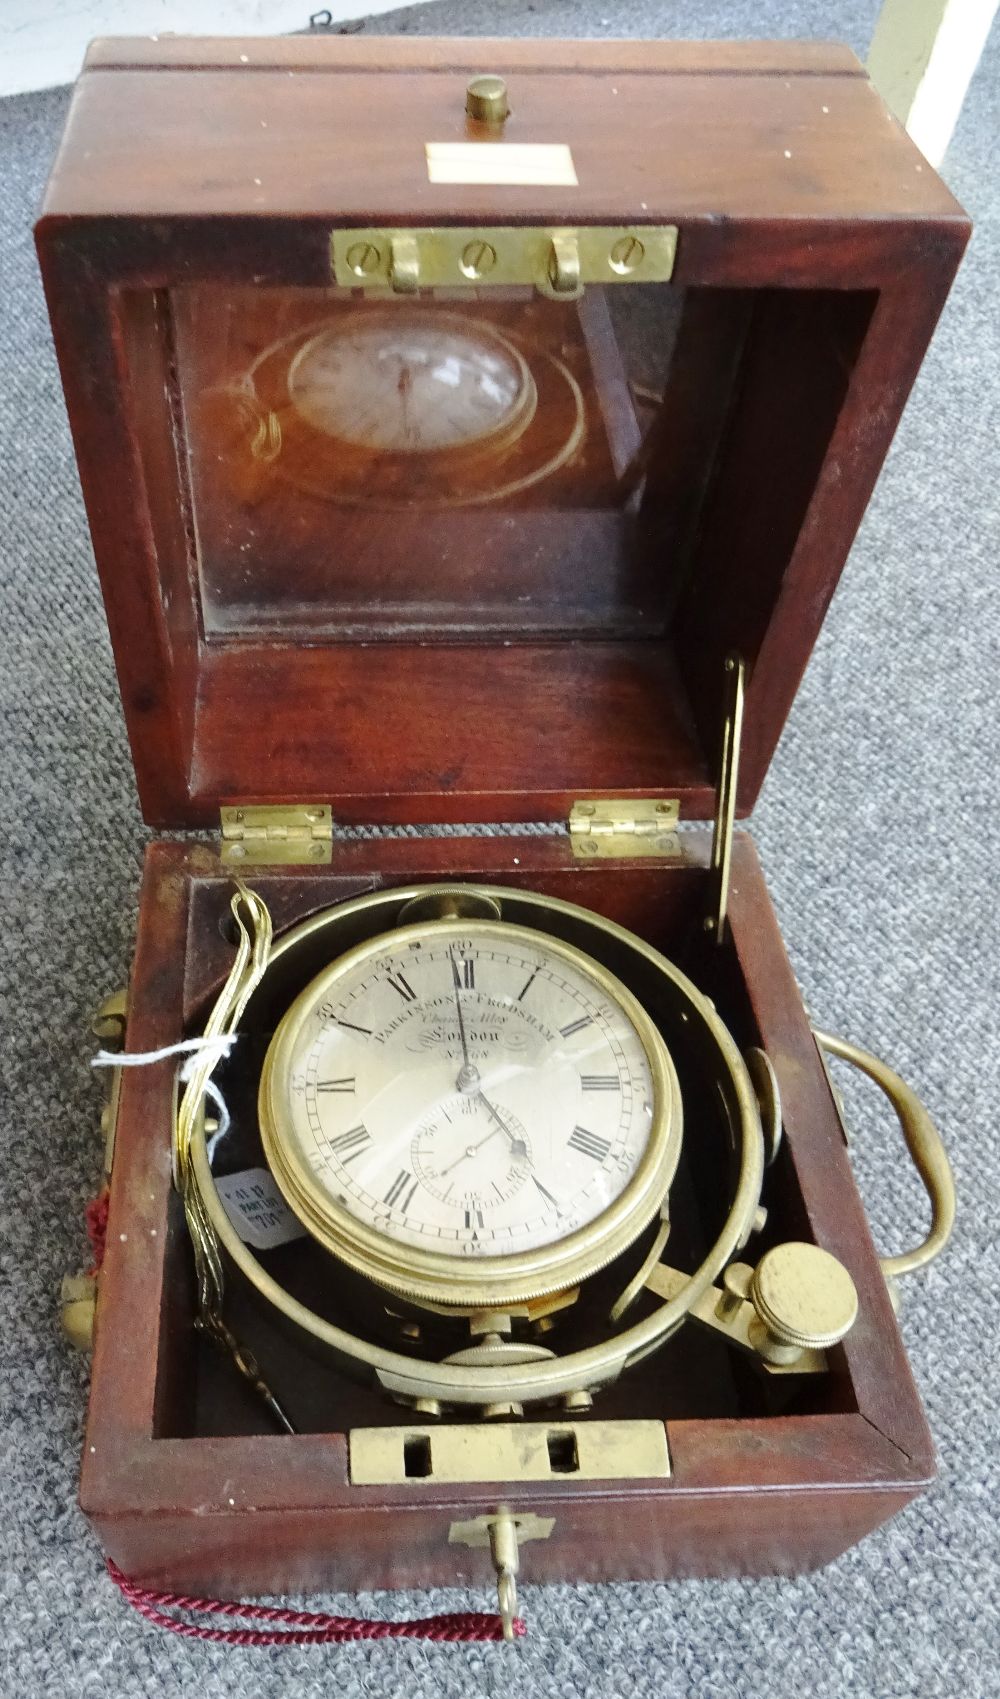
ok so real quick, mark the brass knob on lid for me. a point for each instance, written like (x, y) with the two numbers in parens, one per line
(486, 100)
(805, 1300)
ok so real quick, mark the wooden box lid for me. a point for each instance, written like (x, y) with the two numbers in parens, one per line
(440, 647)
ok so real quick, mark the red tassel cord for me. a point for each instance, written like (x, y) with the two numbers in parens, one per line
(299, 1628)
(97, 1228)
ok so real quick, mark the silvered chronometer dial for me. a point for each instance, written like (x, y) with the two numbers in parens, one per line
(470, 1112)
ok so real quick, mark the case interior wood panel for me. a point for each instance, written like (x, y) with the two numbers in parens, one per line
(814, 254)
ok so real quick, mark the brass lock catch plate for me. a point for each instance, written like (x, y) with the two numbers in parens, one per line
(508, 1451)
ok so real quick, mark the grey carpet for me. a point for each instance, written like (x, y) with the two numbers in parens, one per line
(878, 830)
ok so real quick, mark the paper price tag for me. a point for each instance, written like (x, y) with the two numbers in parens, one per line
(257, 1209)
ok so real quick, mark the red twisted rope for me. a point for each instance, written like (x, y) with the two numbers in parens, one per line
(96, 1215)
(299, 1628)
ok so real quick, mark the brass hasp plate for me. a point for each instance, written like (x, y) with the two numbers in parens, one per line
(556, 260)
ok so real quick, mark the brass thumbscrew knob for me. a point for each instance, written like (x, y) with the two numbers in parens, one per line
(804, 1300)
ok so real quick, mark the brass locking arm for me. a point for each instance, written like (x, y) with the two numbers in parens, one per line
(725, 807)
(923, 1141)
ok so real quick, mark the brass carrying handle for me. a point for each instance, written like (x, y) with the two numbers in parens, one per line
(923, 1141)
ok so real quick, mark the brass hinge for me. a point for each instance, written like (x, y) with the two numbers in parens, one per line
(557, 261)
(623, 830)
(277, 836)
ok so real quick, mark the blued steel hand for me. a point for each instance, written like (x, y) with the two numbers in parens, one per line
(468, 1074)
(517, 1146)
(470, 1150)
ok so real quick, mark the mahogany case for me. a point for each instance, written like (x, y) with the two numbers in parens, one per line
(476, 661)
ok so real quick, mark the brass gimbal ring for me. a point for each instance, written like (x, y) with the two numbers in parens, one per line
(451, 1383)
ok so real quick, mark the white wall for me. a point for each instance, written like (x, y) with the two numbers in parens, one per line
(42, 42)
(923, 57)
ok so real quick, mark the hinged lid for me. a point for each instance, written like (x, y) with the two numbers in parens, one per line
(473, 541)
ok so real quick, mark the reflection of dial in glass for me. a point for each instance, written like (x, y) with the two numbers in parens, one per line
(469, 1093)
(472, 1152)
(406, 382)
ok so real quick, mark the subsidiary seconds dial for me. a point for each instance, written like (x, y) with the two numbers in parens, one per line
(466, 1106)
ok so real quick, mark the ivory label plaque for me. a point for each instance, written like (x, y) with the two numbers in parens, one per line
(529, 164)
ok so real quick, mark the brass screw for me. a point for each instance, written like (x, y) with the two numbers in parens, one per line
(576, 1401)
(501, 1412)
(588, 808)
(317, 852)
(237, 851)
(240, 814)
(478, 258)
(426, 1406)
(627, 253)
(314, 814)
(588, 846)
(363, 258)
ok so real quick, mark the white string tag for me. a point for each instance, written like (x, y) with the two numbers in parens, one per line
(222, 1047)
(218, 1048)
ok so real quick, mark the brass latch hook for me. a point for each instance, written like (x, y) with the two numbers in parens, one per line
(562, 277)
(503, 1532)
(503, 1550)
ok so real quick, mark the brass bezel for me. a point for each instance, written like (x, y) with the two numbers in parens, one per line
(437, 1277)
